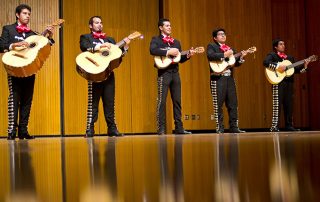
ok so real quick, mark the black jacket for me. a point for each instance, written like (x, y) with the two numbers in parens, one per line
(11, 35)
(158, 48)
(272, 60)
(214, 53)
(88, 42)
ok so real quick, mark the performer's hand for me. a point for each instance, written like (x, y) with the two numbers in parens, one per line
(127, 40)
(228, 53)
(105, 46)
(20, 45)
(281, 68)
(306, 63)
(192, 51)
(244, 53)
(49, 30)
(173, 52)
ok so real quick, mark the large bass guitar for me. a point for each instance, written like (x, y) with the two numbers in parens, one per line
(98, 66)
(26, 61)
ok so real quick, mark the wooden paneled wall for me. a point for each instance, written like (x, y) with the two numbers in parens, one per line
(290, 26)
(136, 89)
(193, 23)
(45, 111)
(313, 41)
(248, 23)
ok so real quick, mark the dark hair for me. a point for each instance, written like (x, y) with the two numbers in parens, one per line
(275, 42)
(161, 21)
(215, 32)
(21, 7)
(91, 19)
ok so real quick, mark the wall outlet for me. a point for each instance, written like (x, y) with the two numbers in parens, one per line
(197, 117)
(193, 117)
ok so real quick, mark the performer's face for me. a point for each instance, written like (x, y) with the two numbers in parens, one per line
(24, 16)
(280, 47)
(96, 25)
(221, 37)
(166, 28)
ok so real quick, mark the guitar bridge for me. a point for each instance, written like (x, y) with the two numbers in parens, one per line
(19, 55)
(92, 61)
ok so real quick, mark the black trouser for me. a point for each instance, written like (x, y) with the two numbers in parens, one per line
(106, 90)
(223, 89)
(282, 95)
(169, 80)
(20, 97)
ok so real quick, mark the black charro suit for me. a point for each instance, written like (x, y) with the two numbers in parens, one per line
(104, 89)
(20, 89)
(283, 92)
(168, 78)
(223, 89)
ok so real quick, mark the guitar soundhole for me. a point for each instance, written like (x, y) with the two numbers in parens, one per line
(105, 53)
(227, 59)
(32, 45)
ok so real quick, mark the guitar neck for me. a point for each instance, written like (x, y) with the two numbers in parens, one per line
(295, 64)
(121, 43)
(185, 52)
(237, 55)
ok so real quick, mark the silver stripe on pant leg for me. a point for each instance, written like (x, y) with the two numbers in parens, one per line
(89, 112)
(159, 99)
(275, 106)
(213, 85)
(10, 107)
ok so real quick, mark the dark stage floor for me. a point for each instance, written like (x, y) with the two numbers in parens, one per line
(196, 168)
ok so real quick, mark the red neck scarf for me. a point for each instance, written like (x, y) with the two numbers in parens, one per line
(99, 35)
(282, 55)
(224, 48)
(168, 40)
(23, 29)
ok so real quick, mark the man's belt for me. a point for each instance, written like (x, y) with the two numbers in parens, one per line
(228, 73)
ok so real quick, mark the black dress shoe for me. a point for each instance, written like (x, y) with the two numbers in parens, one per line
(25, 135)
(220, 131)
(183, 132)
(236, 130)
(12, 136)
(274, 129)
(89, 133)
(291, 129)
(115, 133)
(161, 133)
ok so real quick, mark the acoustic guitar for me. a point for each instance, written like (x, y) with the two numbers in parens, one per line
(220, 66)
(162, 62)
(98, 66)
(26, 61)
(275, 76)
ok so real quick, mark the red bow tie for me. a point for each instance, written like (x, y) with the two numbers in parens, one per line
(224, 48)
(282, 55)
(168, 40)
(99, 35)
(23, 29)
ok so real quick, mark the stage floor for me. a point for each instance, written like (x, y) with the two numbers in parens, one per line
(199, 167)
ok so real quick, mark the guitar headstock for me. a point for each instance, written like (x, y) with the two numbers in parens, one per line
(199, 49)
(135, 35)
(58, 22)
(312, 58)
(252, 49)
